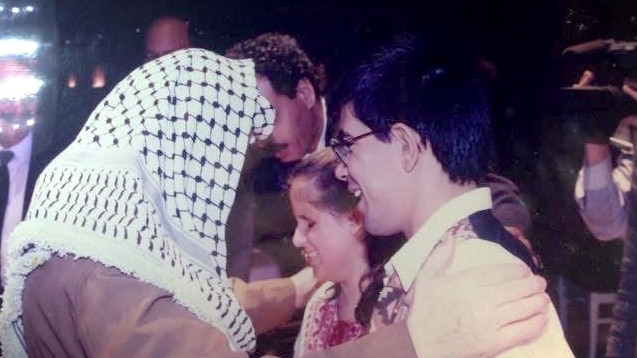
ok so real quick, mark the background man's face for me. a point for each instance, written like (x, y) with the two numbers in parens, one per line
(291, 138)
(14, 116)
(17, 104)
(164, 37)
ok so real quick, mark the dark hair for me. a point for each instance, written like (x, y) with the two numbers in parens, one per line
(432, 86)
(333, 196)
(280, 58)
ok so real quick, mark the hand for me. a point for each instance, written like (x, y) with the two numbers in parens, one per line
(630, 88)
(586, 79)
(623, 135)
(305, 283)
(625, 128)
(475, 313)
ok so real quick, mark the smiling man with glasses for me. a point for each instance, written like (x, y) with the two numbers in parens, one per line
(414, 139)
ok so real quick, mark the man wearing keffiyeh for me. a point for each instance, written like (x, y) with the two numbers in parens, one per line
(145, 188)
(122, 253)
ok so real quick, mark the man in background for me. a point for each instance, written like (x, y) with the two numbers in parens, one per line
(23, 151)
(165, 35)
(294, 85)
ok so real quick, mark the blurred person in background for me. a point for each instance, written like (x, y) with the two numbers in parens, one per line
(25, 146)
(604, 195)
(165, 35)
(602, 187)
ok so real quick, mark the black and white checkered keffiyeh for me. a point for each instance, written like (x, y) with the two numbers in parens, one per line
(147, 187)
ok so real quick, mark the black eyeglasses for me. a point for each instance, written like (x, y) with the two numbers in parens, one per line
(341, 146)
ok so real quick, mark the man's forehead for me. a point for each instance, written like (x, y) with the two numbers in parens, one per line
(348, 124)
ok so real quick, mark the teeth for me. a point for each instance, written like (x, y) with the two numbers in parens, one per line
(309, 256)
(357, 193)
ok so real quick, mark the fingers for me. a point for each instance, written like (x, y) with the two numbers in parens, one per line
(585, 79)
(517, 289)
(304, 285)
(521, 332)
(439, 260)
(523, 309)
(630, 91)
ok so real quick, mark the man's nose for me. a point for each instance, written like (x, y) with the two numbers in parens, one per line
(276, 129)
(341, 171)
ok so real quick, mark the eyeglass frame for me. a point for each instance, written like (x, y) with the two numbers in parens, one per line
(346, 143)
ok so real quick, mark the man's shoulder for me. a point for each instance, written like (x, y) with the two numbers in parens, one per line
(476, 252)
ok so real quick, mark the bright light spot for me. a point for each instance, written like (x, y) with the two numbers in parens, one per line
(99, 77)
(72, 81)
(15, 10)
(29, 8)
(16, 46)
(1, 8)
(16, 126)
(15, 88)
(30, 122)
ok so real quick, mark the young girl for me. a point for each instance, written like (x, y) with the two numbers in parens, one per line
(333, 241)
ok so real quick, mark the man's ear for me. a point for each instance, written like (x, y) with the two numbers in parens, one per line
(305, 92)
(408, 143)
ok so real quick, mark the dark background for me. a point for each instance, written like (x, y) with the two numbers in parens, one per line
(538, 147)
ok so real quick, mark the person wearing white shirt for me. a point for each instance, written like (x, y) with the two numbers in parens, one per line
(18, 89)
(414, 140)
(601, 189)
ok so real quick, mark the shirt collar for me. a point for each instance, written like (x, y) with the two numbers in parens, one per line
(407, 261)
(22, 150)
(322, 139)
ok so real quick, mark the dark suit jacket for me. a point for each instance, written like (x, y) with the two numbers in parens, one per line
(47, 144)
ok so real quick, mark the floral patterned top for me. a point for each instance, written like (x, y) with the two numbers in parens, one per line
(321, 327)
